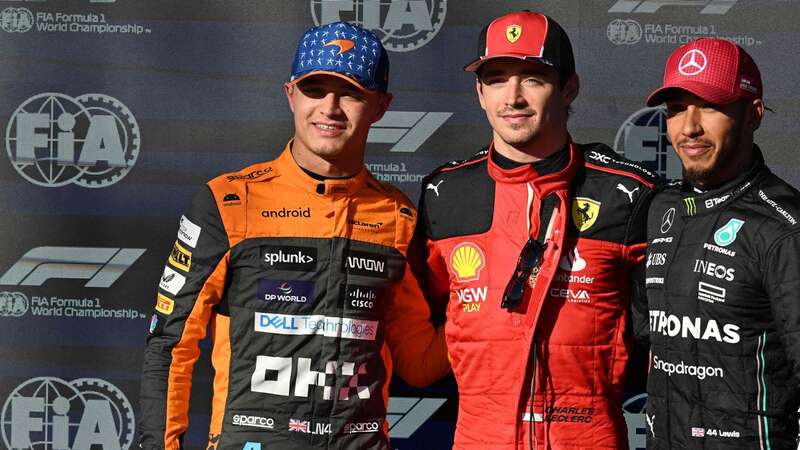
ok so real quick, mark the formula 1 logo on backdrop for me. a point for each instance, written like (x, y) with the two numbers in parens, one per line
(407, 130)
(401, 25)
(643, 137)
(651, 6)
(51, 413)
(54, 140)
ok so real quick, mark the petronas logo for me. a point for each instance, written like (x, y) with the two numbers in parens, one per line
(691, 207)
(726, 234)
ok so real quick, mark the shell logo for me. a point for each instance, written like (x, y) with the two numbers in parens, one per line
(466, 262)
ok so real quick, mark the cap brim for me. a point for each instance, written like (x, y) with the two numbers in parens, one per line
(351, 80)
(476, 64)
(711, 94)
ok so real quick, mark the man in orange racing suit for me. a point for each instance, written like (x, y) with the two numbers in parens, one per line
(535, 267)
(299, 266)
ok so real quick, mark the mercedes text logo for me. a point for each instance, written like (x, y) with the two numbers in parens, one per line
(667, 219)
(692, 63)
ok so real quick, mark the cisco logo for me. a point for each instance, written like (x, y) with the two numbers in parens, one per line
(54, 140)
(401, 25)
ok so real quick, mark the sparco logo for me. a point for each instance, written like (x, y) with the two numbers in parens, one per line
(50, 413)
(402, 25)
(13, 304)
(290, 258)
(651, 6)
(251, 175)
(362, 427)
(643, 137)
(16, 20)
(100, 265)
(283, 213)
(54, 140)
(253, 421)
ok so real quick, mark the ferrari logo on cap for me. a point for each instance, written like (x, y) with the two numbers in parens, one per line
(584, 212)
(513, 33)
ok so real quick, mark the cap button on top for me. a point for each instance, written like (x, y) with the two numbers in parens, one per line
(321, 188)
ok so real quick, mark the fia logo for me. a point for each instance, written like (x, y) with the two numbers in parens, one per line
(51, 413)
(54, 140)
(401, 25)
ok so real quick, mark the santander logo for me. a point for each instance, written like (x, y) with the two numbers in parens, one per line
(572, 261)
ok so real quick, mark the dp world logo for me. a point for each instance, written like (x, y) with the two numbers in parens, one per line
(401, 25)
(643, 137)
(624, 32)
(16, 20)
(54, 140)
(13, 304)
(48, 413)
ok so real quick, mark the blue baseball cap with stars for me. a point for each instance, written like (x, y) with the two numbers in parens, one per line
(344, 50)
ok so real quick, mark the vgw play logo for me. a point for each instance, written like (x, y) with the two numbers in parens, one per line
(49, 413)
(54, 140)
(401, 25)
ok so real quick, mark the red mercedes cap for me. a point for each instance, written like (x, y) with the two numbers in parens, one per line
(716, 70)
(526, 35)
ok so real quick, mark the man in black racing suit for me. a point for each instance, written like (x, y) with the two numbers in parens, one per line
(723, 267)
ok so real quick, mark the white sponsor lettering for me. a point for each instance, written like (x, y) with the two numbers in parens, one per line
(710, 293)
(171, 281)
(274, 375)
(656, 259)
(316, 324)
(291, 258)
(692, 327)
(472, 295)
(653, 280)
(253, 421)
(662, 240)
(712, 202)
(188, 232)
(777, 207)
(714, 270)
(681, 368)
(720, 250)
(573, 296)
(362, 427)
(368, 264)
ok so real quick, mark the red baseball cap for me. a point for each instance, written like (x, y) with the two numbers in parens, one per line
(529, 36)
(716, 70)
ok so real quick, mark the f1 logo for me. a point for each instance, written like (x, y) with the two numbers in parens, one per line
(407, 130)
(650, 6)
(100, 265)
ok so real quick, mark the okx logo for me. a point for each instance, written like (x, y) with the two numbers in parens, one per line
(100, 265)
(50, 413)
(54, 140)
(401, 25)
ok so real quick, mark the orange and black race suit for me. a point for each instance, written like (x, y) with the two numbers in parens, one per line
(310, 303)
(554, 365)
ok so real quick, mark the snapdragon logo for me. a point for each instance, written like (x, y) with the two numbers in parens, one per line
(681, 368)
(401, 25)
(54, 140)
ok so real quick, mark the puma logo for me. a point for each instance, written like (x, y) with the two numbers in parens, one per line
(622, 188)
(434, 187)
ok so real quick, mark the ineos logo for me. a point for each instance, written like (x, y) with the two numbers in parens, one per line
(692, 63)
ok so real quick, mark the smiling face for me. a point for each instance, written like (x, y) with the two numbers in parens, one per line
(332, 118)
(713, 142)
(525, 106)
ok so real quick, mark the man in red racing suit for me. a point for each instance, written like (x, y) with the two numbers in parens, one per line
(542, 367)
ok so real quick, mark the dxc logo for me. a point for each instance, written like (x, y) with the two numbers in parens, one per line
(402, 25)
(50, 413)
(651, 6)
(53, 140)
(100, 265)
